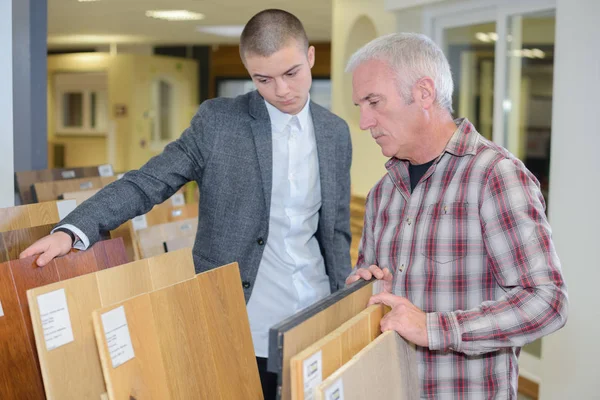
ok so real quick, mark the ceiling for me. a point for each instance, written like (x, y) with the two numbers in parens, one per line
(82, 24)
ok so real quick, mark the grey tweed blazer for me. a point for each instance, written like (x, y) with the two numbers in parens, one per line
(227, 150)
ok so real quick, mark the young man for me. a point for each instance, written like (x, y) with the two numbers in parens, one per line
(273, 170)
(456, 229)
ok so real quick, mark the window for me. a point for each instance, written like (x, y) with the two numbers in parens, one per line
(80, 103)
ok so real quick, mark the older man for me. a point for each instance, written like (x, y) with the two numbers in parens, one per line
(456, 228)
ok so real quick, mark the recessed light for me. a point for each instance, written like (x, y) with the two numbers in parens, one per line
(222, 30)
(175, 15)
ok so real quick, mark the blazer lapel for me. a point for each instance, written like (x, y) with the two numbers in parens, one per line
(261, 130)
(327, 159)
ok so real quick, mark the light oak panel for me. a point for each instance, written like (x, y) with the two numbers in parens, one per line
(385, 369)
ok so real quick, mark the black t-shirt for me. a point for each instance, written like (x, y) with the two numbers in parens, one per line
(416, 172)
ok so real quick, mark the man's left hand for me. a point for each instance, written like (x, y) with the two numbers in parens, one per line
(405, 318)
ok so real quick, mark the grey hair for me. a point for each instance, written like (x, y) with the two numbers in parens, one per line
(412, 56)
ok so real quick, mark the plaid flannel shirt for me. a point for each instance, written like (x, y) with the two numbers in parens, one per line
(471, 247)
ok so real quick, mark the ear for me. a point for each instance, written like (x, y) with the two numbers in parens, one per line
(311, 56)
(424, 92)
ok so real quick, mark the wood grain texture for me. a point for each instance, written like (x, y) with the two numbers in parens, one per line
(27, 216)
(125, 281)
(27, 275)
(79, 196)
(183, 335)
(126, 233)
(19, 375)
(300, 337)
(195, 333)
(71, 371)
(229, 333)
(46, 191)
(385, 369)
(3, 252)
(110, 253)
(338, 347)
(143, 377)
(18, 240)
(170, 268)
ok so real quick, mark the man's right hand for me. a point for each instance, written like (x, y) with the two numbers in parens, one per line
(373, 271)
(49, 247)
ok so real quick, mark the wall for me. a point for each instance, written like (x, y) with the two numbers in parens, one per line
(570, 356)
(6, 106)
(356, 22)
(129, 79)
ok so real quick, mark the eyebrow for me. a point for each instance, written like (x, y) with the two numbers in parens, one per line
(366, 98)
(286, 72)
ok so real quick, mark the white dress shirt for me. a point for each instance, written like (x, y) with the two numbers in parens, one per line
(291, 274)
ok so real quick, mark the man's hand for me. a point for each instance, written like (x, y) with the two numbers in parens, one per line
(49, 247)
(405, 318)
(373, 271)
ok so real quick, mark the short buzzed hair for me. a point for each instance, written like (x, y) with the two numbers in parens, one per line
(269, 31)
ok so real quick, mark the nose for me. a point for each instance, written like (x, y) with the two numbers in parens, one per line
(281, 88)
(366, 120)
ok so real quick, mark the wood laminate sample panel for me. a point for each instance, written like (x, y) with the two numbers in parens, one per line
(19, 375)
(18, 240)
(385, 369)
(301, 330)
(71, 371)
(151, 240)
(170, 268)
(229, 333)
(79, 196)
(336, 348)
(186, 242)
(125, 281)
(110, 253)
(27, 178)
(201, 342)
(27, 216)
(46, 191)
(144, 376)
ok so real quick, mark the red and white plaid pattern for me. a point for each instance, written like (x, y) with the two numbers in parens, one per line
(472, 247)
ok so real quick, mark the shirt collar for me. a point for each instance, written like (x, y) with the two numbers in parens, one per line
(279, 120)
(463, 141)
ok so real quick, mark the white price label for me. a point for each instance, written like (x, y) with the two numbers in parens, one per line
(335, 391)
(105, 170)
(86, 185)
(68, 174)
(1, 310)
(312, 369)
(56, 321)
(117, 336)
(177, 200)
(139, 222)
(65, 207)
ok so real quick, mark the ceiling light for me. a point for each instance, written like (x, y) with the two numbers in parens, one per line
(483, 37)
(222, 30)
(493, 36)
(174, 15)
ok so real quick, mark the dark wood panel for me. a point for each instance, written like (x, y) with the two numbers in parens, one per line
(27, 275)
(110, 253)
(18, 240)
(19, 374)
(3, 252)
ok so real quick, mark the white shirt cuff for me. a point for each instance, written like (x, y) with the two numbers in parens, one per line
(83, 243)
